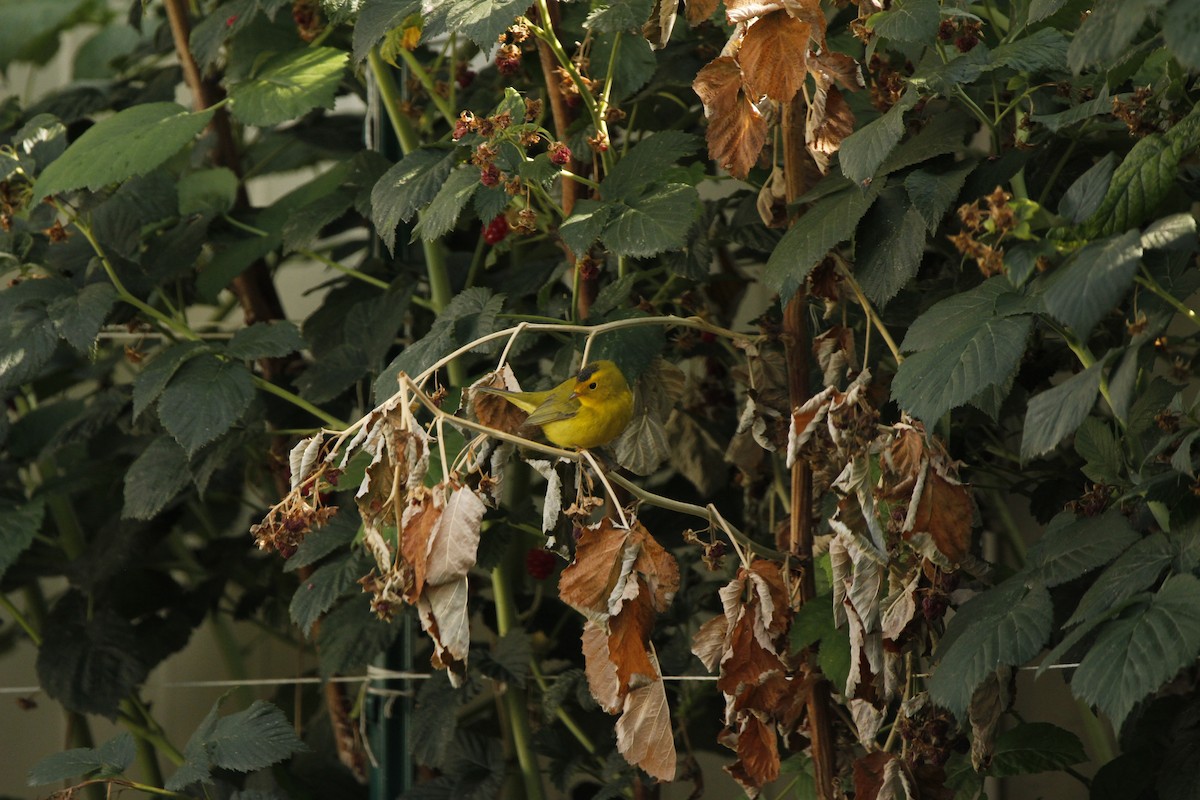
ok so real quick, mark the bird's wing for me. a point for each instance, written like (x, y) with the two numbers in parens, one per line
(554, 410)
(526, 401)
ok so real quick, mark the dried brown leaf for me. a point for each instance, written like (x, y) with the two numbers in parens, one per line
(773, 56)
(718, 83)
(598, 667)
(842, 68)
(700, 10)
(711, 641)
(455, 540)
(869, 774)
(589, 581)
(656, 566)
(657, 29)
(988, 704)
(828, 122)
(758, 752)
(443, 613)
(420, 519)
(899, 607)
(746, 661)
(945, 512)
(644, 731)
(492, 409)
(629, 637)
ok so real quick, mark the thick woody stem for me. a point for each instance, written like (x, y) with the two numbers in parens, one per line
(800, 529)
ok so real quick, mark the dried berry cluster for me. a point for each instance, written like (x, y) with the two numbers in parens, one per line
(995, 221)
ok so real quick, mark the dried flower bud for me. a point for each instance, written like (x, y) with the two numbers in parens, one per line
(560, 154)
(489, 175)
(508, 59)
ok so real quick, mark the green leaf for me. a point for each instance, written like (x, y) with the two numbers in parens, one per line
(1085, 195)
(1032, 747)
(434, 720)
(108, 760)
(131, 142)
(957, 314)
(351, 636)
(814, 234)
(619, 15)
(1092, 281)
(1043, 50)
(945, 133)
(1136, 569)
(1009, 628)
(78, 318)
(482, 21)
(653, 222)
(509, 658)
(378, 18)
(155, 478)
(150, 382)
(1072, 547)
(1174, 232)
(907, 21)
(814, 624)
(265, 340)
(288, 85)
(1138, 653)
(1181, 32)
(335, 535)
(931, 382)
(644, 162)
(207, 191)
(217, 27)
(317, 593)
(23, 352)
(455, 192)
(204, 399)
(408, 186)
(1182, 460)
(88, 660)
(252, 739)
(863, 151)
(1040, 9)
(1100, 104)
(19, 524)
(586, 224)
(932, 193)
(27, 23)
(1096, 444)
(890, 245)
(1143, 179)
(1106, 33)
(1054, 414)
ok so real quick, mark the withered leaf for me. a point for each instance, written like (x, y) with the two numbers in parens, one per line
(420, 519)
(899, 608)
(746, 661)
(657, 29)
(700, 10)
(869, 774)
(773, 56)
(587, 582)
(767, 579)
(644, 731)
(842, 68)
(629, 637)
(828, 122)
(758, 751)
(443, 613)
(710, 642)
(656, 566)
(455, 540)
(598, 667)
(718, 83)
(867, 721)
(736, 129)
(493, 410)
(945, 512)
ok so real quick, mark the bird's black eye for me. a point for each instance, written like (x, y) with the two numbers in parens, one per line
(592, 385)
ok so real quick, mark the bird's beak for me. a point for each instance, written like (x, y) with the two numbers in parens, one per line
(573, 396)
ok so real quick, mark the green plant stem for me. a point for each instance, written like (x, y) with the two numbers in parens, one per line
(99, 783)
(231, 654)
(342, 268)
(19, 618)
(477, 258)
(147, 759)
(568, 722)
(298, 401)
(546, 33)
(518, 720)
(137, 718)
(426, 81)
(1144, 280)
(440, 292)
(1012, 531)
(1097, 733)
(869, 310)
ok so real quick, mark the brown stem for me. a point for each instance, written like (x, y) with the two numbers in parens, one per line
(254, 288)
(800, 529)
(563, 118)
(255, 291)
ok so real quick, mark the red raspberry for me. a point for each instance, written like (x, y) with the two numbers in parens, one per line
(465, 77)
(560, 154)
(495, 232)
(966, 42)
(489, 175)
(539, 563)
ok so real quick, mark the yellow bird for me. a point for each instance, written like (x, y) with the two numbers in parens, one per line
(586, 411)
